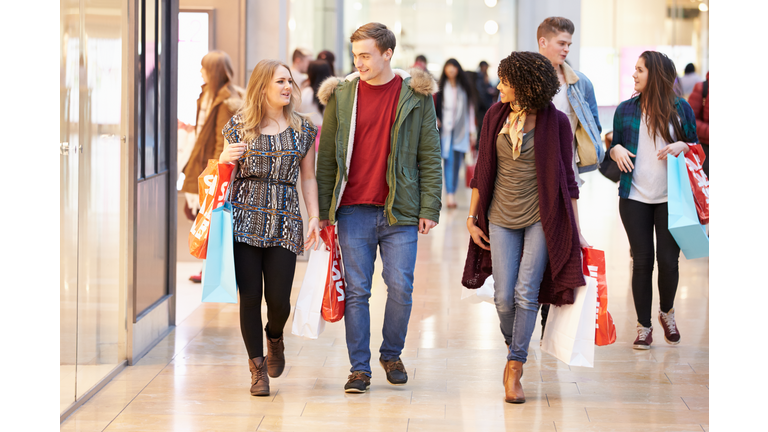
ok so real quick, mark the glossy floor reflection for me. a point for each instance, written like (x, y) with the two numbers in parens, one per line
(197, 379)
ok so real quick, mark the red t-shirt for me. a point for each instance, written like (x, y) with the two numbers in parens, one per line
(376, 112)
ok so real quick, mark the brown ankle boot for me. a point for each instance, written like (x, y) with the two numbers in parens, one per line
(259, 377)
(513, 390)
(275, 356)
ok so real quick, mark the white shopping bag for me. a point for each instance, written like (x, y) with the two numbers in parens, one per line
(482, 294)
(570, 331)
(307, 318)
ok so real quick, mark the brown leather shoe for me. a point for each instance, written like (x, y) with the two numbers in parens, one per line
(275, 356)
(513, 390)
(259, 379)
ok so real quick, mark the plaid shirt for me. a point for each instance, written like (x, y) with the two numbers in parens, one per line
(626, 129)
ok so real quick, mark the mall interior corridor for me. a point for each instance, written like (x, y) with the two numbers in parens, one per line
(197, 378)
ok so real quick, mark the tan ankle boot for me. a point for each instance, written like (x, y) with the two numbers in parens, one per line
(259, 377)
(513, 390)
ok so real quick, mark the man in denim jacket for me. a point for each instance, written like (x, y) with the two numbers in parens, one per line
(576, 99)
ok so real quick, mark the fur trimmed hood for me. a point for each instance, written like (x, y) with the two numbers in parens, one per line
(421, 82)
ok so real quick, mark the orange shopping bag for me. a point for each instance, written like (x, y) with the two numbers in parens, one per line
(212, 187)
(333, 299)
(594, 266)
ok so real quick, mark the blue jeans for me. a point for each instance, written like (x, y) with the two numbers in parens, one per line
(361, 229)
(451, 169)
(517, 280)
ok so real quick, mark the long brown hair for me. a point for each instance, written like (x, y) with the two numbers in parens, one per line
(657, 100)
(218, 67)
(255, 107)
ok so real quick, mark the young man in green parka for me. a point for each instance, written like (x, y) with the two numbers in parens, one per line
(379, 176)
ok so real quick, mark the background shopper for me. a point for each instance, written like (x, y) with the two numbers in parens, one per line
(455, 109)
(329, 58)
(689, 79)
(301, 58)
(271, 144)
(699, 101)
(524, 200)
(317, 72)
(646, 129)
(218, 102)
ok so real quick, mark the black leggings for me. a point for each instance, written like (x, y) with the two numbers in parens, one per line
(277, 265)
(639, 220)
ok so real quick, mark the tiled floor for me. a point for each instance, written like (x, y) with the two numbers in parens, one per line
(197, 378)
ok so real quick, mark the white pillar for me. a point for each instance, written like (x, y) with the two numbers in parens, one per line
(266, 32)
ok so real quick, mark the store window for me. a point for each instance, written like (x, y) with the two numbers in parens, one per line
(614, 33)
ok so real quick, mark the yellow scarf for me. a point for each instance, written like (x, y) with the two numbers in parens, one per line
(514, 127)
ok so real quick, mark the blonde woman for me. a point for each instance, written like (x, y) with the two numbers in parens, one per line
(219, 100)
(271, 145)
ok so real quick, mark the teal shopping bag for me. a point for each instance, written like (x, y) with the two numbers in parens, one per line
(219, 285)
(683, 220)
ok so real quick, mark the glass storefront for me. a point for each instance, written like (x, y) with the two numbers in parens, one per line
(92, 308)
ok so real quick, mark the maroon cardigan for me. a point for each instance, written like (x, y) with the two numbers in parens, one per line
(554, 172)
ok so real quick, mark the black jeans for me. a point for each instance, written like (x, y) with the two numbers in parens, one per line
(639, 221)
(276, 265)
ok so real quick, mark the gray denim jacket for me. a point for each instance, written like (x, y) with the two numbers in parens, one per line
(581, 95)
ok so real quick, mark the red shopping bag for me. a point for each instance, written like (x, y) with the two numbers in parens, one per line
(699, 181)
(212, 187)
(594, 266)
(333, 298)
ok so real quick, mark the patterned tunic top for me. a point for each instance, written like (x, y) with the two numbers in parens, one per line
(265, 203)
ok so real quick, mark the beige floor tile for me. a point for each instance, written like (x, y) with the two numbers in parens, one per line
(478, 425)
(146, 404)
(374, 410)
(680, 378)
(625, 427)
(79, 425)
(500, 410)
(661, 416)
(634, 401)
(696, 403)
(626, 390)
(608, 378)
(184, 423)
(316, 424)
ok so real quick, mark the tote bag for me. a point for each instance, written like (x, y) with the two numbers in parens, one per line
(219, 284)
(570, 331)
(683, 220)
(307, 316)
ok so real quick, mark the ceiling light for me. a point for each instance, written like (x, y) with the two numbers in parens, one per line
(490, 3)
(703, 7)
(491, 27)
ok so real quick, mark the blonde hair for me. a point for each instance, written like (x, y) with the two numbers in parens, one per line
(218, 67)
(254, 108)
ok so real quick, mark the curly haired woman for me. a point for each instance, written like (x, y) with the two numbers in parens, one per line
(523, 215)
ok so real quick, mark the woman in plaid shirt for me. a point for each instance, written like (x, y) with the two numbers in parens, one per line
(646, 128)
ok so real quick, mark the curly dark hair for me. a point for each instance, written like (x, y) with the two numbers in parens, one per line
(532, 76)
